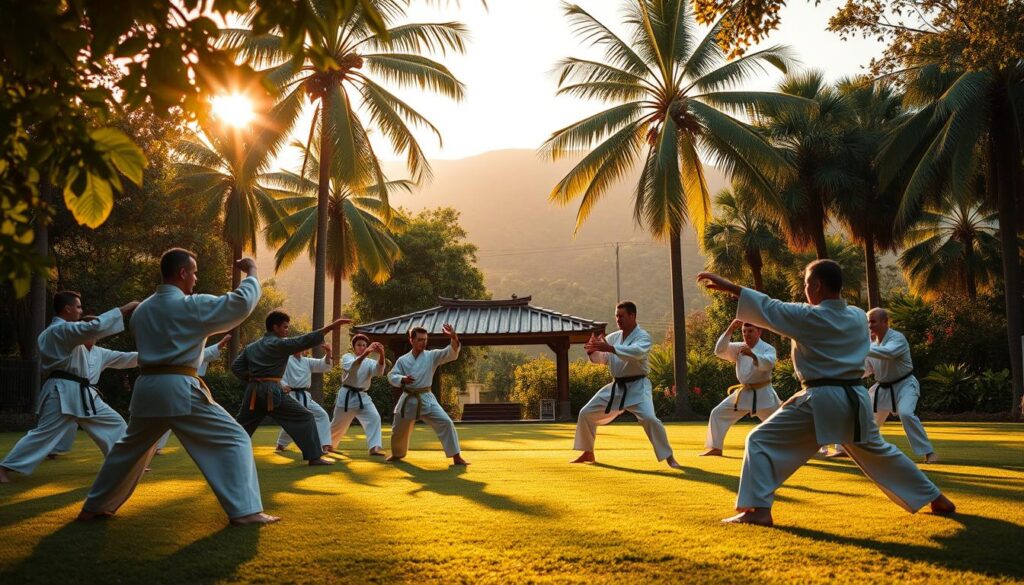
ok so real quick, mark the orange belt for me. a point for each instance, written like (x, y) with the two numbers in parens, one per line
(180, 371)
(270, 396)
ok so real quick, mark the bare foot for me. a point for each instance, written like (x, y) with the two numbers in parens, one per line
(931, 458)
(711, 453)
(943, 505)
(85, 516)
(757, 516)
(392, 459)
(158, 452)
(327, 449)
(837, 455)
(585, 457)
(673, 463)
(3, 475)
(378, 453)
(458, 460)
(257, 518)
(320, 461)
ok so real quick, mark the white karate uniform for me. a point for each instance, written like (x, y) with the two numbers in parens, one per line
(63, 404)
(299, 374)
(210, 354)
(422, 368)
(171, 329)
(750, 372)
(359, 405)
(629, 359)
(99, 359)
(830, 342)
(889, 360)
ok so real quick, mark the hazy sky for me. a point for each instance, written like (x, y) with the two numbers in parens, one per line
(510, 101)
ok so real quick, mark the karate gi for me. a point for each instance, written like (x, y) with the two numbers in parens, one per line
(757, 379)
(65, 403)
(98, 359)
(170, 330)
(298, 375)
(261, 365)
(210, 354)
(630, 391)
(830, 343)
(889, 361)
(418, 402)
(354, 402)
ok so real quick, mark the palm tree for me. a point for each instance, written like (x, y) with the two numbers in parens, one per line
(227, 168)
(740, 235)
(818, 142)
(955, 244)
(339, 68)
(870, 218)
(668, 89)
(971, 120)
(359, 236)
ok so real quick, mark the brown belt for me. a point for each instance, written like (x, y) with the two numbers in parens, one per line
(270, 396)
(414, 392)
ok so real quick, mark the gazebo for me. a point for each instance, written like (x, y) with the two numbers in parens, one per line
(493, 322)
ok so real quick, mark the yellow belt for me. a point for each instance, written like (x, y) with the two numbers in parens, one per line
(414, 392)
(270, 396)
(179, 371)
(738, 388)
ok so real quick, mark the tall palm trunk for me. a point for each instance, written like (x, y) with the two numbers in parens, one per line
(1003, 189)
(337, 279)
(756, 265)
(970, 282)
(236, 279)
(871, 272)
(683, 409)
(320, 267)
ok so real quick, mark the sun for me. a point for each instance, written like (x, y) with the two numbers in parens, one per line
(233, 109)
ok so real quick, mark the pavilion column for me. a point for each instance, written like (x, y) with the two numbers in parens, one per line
(562, 368)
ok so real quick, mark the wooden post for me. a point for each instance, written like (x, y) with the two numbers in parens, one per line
(562, 368)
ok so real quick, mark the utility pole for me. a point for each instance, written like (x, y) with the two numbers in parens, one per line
(618, 282)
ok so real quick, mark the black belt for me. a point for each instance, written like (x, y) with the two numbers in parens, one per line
(302, 393)
(892, 391)
(84, 385)
(353, 390)
(847, 386)
(623, 383)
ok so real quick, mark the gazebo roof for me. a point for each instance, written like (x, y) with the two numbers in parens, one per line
(489, 322)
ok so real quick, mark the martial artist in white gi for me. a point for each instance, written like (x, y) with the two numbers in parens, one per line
(830, 342)
(170, 329)
(99, 359)
(895, 389)
(353, 401)
(754, 395)
(67, 397)
(211, 354)
(414, 374)
(625, 352)
(298, 376)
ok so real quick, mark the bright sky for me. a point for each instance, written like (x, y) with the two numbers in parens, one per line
(510, 101)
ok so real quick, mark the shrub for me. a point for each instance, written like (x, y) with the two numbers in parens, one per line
(993, 392)
(951, 389)
(784, 379)
(538, 378)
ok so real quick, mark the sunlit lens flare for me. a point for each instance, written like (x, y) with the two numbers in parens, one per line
(233, 109)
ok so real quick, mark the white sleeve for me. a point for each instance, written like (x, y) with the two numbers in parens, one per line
(211, 353)
(599, 357)
(890, 349)
(636, 350)
(224, 313)
(396, 374)
(319, 366)
(761, 310)
(70, 334)
(725, 350)
(119, 360)
(766, 357)
(443, 356)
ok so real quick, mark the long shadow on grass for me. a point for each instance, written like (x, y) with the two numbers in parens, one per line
(983, 545)
(73, 553)
(1004, 488)
(452, 482)
(11, 514)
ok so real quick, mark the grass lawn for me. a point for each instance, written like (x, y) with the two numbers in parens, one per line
(521, 513)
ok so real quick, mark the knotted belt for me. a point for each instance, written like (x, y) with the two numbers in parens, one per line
(302, 395)
(739, 388)
(624, 384)
(358, 394)
(847, 386)
(892, 391)
(413, 393)
(84, 385)
(270, 395)
(179, 371)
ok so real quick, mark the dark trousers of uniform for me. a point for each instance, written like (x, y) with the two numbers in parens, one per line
(263, 399)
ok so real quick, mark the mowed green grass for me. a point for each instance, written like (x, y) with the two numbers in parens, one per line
(521, 513)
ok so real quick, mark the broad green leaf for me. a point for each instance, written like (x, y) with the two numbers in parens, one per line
(125, 154)
(92, 207)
